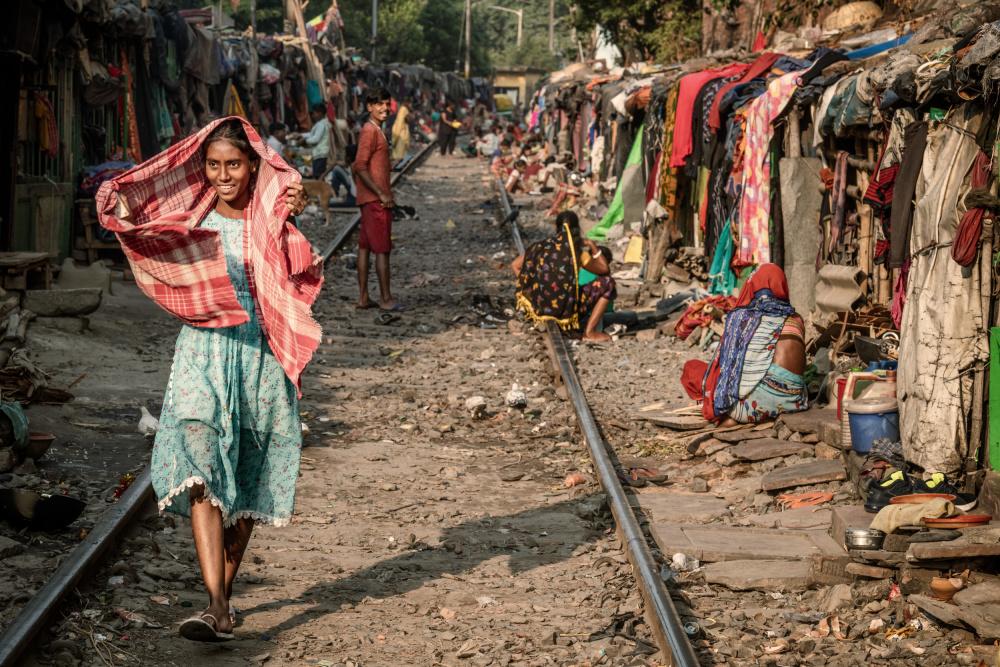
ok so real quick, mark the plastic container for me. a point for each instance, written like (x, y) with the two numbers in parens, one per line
(872, 418)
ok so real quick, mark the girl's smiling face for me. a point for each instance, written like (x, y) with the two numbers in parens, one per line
(229, 170)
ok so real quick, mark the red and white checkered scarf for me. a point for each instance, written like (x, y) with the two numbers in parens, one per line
(182, 267)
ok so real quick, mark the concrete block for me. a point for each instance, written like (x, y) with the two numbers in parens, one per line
(834, 598)
(68, 324)
(758, 575)
(72, 276)
(803, 518)
(682, 507)
(9, 547)
(767, 448)
(829, 431)
(720, 543)
(8, 459)
(848, 516)
(826, 570)
(804, 474)
(57, 303)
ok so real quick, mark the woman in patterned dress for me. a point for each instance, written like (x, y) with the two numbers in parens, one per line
(560, 281)
(228, 447)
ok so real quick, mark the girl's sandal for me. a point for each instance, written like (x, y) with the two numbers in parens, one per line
(199, 630)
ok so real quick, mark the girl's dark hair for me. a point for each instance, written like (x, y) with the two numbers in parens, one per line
(231, 130)
(351, 153)
(570, 218)
(319, 108)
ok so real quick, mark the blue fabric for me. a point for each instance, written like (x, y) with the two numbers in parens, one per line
(312, 93)
(230, 417)
(751, 331)
(878, 48)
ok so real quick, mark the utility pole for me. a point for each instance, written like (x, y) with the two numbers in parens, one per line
(468, 36)
(552, 26)
(374, 27)
(520, 20)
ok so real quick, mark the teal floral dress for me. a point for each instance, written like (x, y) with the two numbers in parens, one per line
(230, 417)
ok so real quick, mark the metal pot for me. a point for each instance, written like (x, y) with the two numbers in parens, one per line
(863, 538)
(39, 511)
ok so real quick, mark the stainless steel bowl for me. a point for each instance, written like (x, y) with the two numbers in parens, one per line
(863, 538)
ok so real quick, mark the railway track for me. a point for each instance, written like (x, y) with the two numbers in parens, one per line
(38, 613)
(663, 617)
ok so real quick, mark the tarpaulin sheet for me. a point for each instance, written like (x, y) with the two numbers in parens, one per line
(616, 212)
(943, 332)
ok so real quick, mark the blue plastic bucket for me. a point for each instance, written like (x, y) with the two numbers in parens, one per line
(872, 418)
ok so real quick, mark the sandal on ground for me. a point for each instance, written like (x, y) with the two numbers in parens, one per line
(459, 319)
(649, 475)
(398, 308)
(199, 630)
(386, 318)
(629, 478)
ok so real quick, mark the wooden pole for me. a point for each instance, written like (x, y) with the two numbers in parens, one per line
(865, 235)
(314, 69)
(468, 37)
(374, 27)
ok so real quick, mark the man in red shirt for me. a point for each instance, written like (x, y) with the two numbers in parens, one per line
(371, 175)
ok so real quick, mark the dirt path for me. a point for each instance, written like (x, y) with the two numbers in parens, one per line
(421, 535)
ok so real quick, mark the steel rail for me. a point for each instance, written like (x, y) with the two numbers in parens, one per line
(514, 230)
(36, 615)
(346, 230)
(667, 627)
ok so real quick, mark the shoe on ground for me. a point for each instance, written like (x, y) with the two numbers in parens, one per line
(879, 495)
(938, 483)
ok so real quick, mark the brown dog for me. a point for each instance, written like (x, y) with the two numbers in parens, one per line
(322, 191)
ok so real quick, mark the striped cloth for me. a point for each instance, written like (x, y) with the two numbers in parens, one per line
(182, 267)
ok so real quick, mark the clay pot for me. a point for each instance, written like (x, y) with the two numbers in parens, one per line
(944, 588)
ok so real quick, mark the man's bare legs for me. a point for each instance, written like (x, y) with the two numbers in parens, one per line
(382, 270)
(220, 552)
(365, 301)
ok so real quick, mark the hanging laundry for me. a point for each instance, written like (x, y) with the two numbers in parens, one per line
(48, 134)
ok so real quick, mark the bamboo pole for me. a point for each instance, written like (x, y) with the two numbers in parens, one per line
(865, 235)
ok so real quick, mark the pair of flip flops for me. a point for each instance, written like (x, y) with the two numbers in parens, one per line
(638, 477)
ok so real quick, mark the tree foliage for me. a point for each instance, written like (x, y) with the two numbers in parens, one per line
(660, 30)
(430, 32)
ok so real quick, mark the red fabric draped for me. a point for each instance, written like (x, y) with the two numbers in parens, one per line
(691, 378)
(965, 245)
(767, 276)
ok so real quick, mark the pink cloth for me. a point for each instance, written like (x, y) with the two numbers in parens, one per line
(182, 267)
(755, 202)
(687, 91)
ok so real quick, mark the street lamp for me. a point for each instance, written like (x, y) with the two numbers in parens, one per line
(520, 20)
